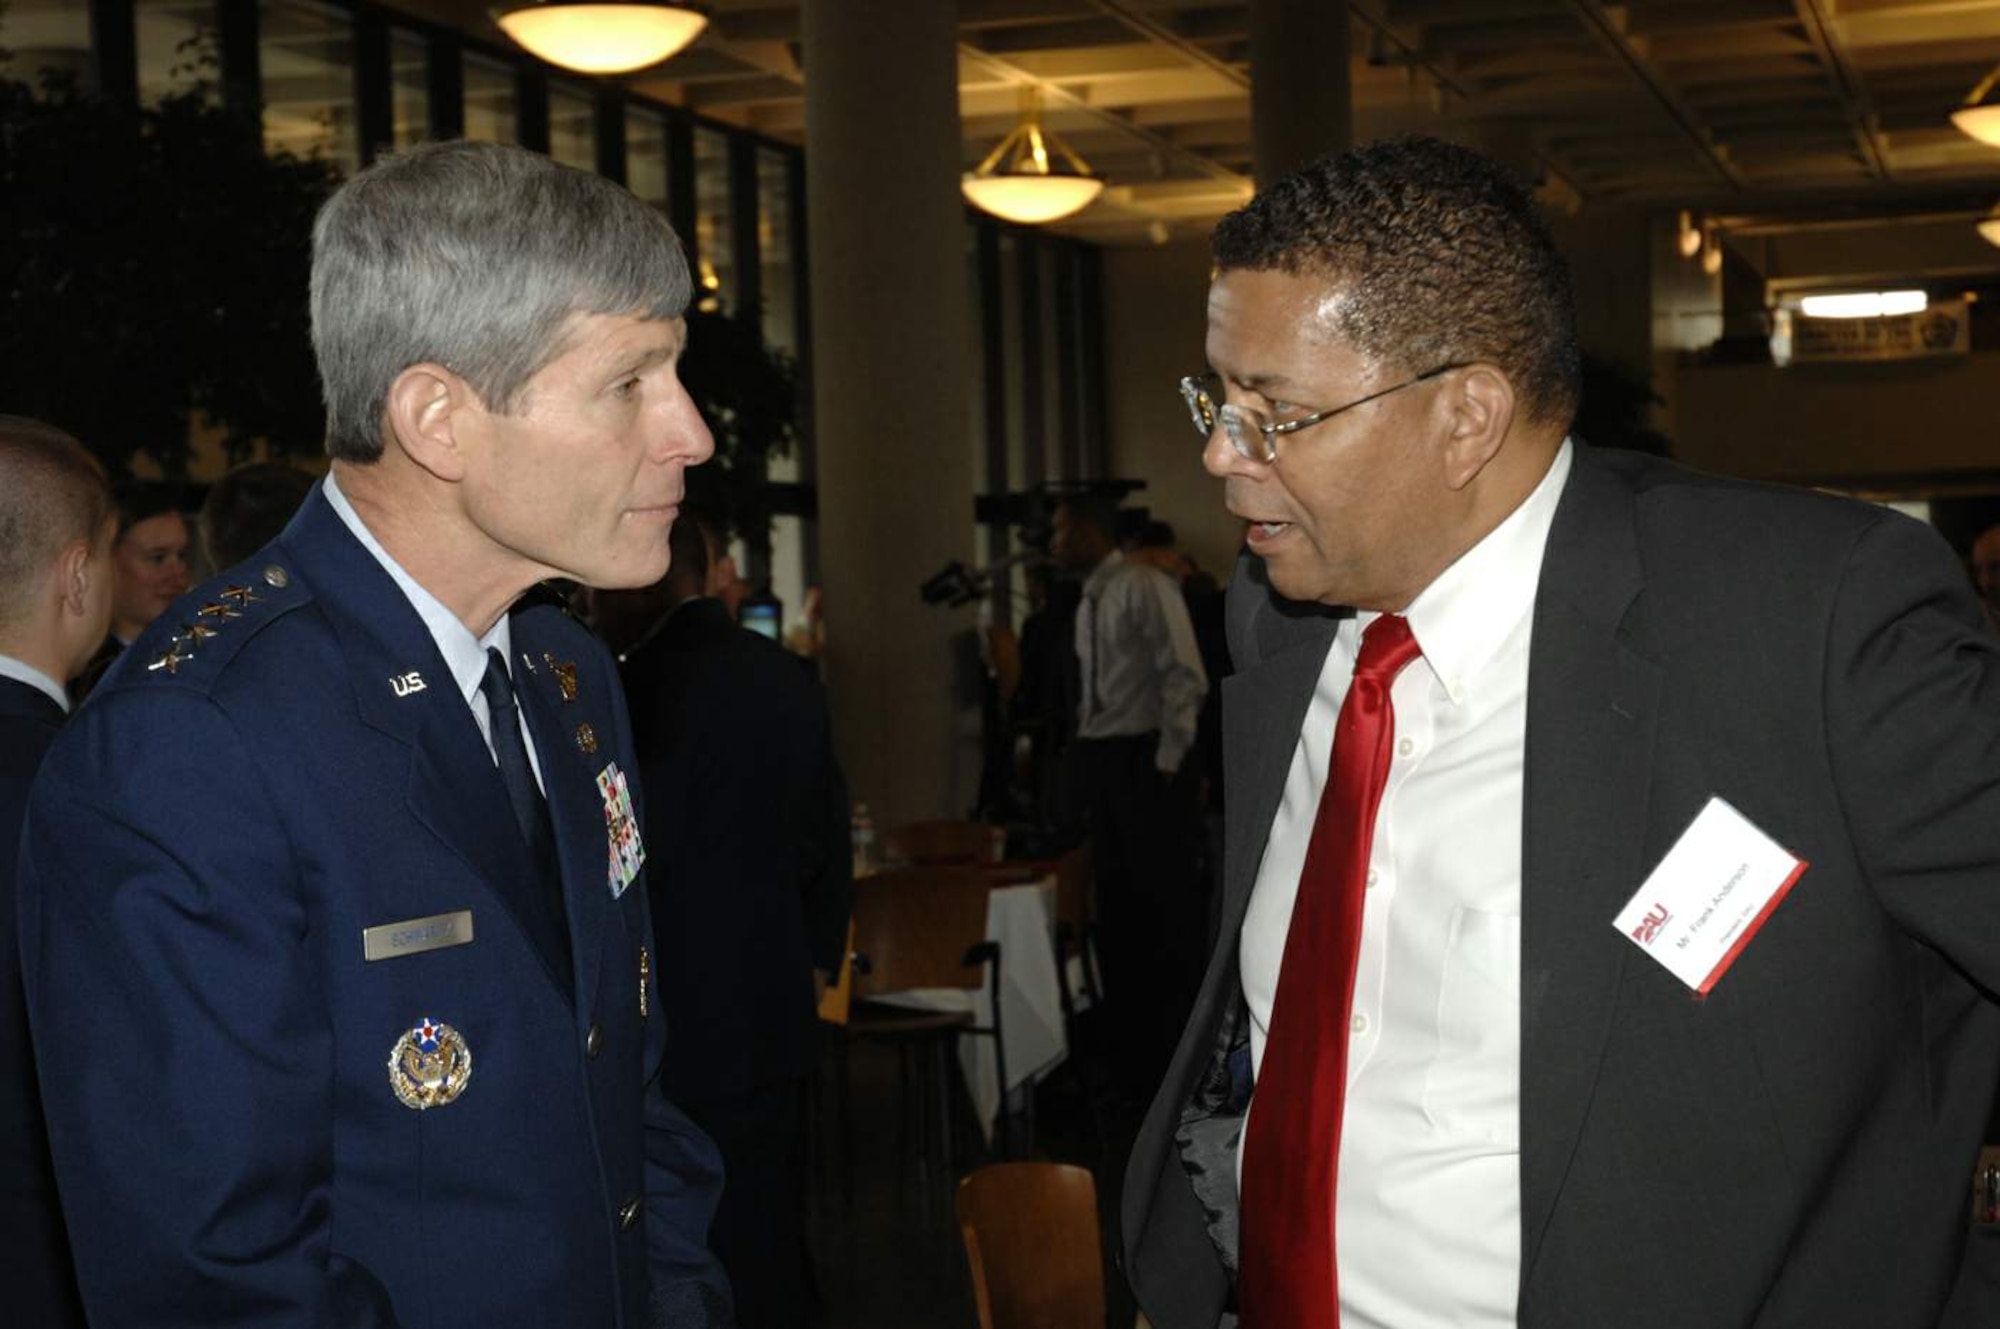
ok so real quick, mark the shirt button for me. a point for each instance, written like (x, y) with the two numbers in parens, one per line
(593, 1042)
(1359, 1023)
(1372, 875)
(629, 1215)
(1407, 746)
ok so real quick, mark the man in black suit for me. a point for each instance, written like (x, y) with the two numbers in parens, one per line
(746, 814)
(57, 523)
(1612, 882)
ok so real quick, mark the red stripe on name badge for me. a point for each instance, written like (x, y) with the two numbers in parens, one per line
(1770, 906)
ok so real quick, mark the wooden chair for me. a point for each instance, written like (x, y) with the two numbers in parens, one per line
(1031, 1239)
(941, 843)
(921, 928)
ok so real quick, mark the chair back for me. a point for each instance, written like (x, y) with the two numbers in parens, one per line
(1073, 892)
(914, 926)
(1031, 1238)
(945, 842)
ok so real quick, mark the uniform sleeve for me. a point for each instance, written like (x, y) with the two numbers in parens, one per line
(1176, 662)
(178, 1016)
(683, 1186)
(1913, 707)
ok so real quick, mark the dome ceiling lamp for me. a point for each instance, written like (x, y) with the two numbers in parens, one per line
(602, 38)
(1980, 122)
(1031, 177)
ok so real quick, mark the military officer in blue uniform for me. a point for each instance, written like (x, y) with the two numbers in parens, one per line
(333, 911)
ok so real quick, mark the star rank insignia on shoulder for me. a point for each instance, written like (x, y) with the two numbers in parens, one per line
(212, 620)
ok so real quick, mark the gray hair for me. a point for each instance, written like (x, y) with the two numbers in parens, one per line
(474, 256)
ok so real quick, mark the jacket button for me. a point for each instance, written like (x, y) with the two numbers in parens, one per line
(593, 1041)
(629, 1215)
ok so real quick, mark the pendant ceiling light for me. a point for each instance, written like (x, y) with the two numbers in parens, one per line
(603, 38)
(1981, 122)
(1031, 177)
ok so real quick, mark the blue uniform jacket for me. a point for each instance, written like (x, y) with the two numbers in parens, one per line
(279, 763)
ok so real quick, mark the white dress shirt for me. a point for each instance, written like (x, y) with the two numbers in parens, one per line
(464, 654)
(1427, 1219)
(1140, 668)
(22, 672)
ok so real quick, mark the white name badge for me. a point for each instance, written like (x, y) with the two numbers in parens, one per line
(1709, 896)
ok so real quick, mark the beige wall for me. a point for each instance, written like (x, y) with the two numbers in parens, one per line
(1904, 426)
(1155, 302)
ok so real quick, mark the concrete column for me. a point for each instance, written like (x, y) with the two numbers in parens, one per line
(1301, 88)
(890, 314)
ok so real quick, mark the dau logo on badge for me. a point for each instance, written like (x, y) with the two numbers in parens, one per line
(1649, 926)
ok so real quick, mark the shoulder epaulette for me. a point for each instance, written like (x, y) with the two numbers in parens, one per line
(210, 624)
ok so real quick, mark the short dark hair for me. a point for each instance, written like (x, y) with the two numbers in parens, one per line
(247, 508)
(52, 494)
(1095, 510)
(141, 500)
(1443, 254)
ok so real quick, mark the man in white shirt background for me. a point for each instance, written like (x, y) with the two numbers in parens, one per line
(1140, 686)
(1612, 878)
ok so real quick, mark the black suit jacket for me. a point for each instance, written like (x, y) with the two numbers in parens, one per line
(751, 868)
(1794, 1149)
(34, 1254)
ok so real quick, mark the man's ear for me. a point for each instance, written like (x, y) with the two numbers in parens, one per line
(73, 577)
(1478, 402)
(429, 410)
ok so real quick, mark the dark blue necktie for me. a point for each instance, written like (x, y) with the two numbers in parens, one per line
(531, 810)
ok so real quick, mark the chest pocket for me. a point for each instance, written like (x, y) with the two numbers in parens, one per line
(1472, 1085)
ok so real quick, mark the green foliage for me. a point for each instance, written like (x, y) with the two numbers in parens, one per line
(154, 261)
(749, 394)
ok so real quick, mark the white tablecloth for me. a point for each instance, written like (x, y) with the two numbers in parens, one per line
(1022, 920)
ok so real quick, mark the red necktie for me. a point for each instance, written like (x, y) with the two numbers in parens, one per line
(1293, 1149)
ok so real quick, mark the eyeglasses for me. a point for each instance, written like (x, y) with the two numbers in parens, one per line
(1241, 424)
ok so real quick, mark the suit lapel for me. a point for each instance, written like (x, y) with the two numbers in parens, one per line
(1263, 708)
(1593, 696)
(455, 790)
(569, 779)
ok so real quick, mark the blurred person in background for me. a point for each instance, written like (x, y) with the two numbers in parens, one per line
(151, 566)
(57, 524)
(1986, 571)
(746, 814)
(247, 508)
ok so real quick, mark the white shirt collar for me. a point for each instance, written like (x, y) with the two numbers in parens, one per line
(22, 672)
(464, 654)
(1463, 616)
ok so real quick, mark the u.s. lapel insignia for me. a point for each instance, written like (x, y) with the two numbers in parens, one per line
(430, 1065)
(565, 672)
(621, 829)
(406, 684)
(586, 739)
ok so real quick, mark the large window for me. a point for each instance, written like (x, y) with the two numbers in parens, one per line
(572, 127)
(46, 39)
(176, 46)
(489, 100)
(409, 87)
(646, 155)
(306, 53)
(714, 216)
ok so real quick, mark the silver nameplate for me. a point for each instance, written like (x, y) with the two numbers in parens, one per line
(417, 935)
